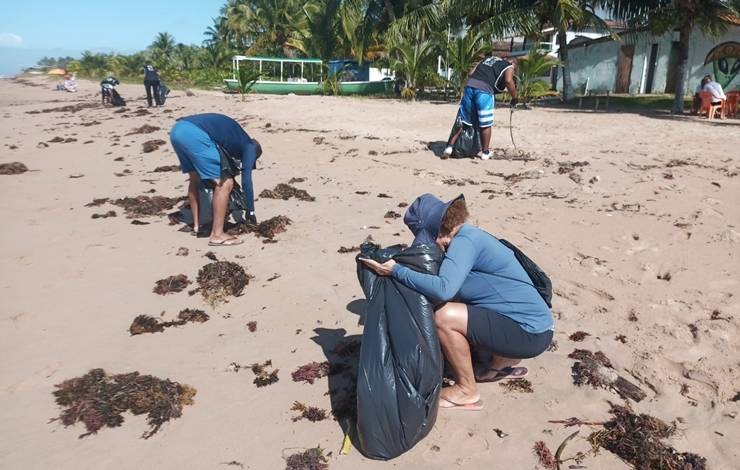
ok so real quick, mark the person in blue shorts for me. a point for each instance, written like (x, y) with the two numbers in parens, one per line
(212, 148)
(483, 297)
(490, 76)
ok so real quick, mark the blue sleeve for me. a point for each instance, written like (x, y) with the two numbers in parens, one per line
(249, 158)
(455, 268)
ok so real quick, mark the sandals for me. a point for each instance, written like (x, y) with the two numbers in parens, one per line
(477, 406)
(233, 241)
(503, 374)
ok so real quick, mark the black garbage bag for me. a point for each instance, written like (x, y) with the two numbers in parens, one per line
(116, 99)
(399, 374)
(468, 143)
(162, 93)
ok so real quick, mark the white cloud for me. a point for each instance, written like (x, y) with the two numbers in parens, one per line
(10, 40)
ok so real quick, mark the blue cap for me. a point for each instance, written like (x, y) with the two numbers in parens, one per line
(424, 218)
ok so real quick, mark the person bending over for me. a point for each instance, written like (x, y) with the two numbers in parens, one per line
(211, 147)
(492, 75)
(483, 298)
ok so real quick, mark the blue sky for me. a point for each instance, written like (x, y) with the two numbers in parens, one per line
(31, 29)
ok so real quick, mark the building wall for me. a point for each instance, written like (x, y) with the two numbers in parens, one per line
(597, 61)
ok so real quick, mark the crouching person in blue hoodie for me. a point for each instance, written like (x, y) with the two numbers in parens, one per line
(213, 148)
(483, 298)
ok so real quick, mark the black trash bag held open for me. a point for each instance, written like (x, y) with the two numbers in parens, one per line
(162, 92)
(468, 142)
(399, 374)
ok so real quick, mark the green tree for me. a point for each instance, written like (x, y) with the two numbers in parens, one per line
(268, 25)
(163, 49)
(662, 16)
(410, 57)
(530, 71)
(463, 51)
(93, 65)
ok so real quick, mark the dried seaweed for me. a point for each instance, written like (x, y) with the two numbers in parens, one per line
(296, 180)
(637, 439)
(221, 279)
(262, 377)
(310, 413)
(12, 168)
(267, 229)
(72, 108)
(182, 251)
(311, 372)
(517, 385)
(162, 169)
(384, 196)
(144, 206)
(578, 336)
(311, 459)
(392, 215)
(351, 249)
(104, 215)
(567, 167)
(145, 129)
(544, 455)
(176, 283)
(252, 326)
(99, 400)
(139, 222)
(146, 324)
(285, 191)
(152, 145)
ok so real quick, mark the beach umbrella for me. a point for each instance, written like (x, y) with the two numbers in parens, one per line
(60, 72)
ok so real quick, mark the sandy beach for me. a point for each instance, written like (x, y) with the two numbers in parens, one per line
(633, 215)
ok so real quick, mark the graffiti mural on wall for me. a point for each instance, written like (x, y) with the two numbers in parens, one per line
(725, 58)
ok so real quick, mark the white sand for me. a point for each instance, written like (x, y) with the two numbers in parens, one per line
(71, 285)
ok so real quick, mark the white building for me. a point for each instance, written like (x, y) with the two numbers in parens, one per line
(643, 63)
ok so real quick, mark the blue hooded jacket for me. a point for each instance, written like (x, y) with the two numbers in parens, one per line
(477, 270)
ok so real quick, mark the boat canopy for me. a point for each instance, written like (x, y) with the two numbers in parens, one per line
(280, 69)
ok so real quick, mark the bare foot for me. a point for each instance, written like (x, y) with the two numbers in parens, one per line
(456, 395)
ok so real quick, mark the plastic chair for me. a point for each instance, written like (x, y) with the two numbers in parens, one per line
(731, 104)
(708, 107)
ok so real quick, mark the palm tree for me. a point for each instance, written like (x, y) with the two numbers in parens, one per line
(463, 51)
(529, 17)
(410, 57)
(268, 24)
(163, 49)
(530, 71)
(320, 37)
(662, 16)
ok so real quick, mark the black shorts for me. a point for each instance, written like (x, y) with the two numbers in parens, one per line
(503, 336)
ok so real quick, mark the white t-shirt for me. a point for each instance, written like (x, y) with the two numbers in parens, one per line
(716, 90)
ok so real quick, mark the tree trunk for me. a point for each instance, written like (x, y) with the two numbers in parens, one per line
(389, 10)
(563, 53)
(683, 58)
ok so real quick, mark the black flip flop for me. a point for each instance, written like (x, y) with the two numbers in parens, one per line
(506, 373)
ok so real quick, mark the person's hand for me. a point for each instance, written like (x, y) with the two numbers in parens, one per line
(514, 101)
(384, 269)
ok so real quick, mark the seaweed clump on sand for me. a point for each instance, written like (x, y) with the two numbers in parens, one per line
(221, 279)
(578, 336)
(392, 215)
(310, 413)
(145, 129)
(163, 169)
(544, 455)
(583, 372)
(267, 229)
(152, 145)
(144, 206)
(99, 400)
(517, 385)
(636, 439)
(285, 191)
(262, 377)
(12, 168)
(311, 372)
(146, 324)
(351, 249)
(311, 459)
(171, 284)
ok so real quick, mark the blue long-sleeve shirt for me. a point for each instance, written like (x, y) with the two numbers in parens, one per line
(479, 270)
(227, 133)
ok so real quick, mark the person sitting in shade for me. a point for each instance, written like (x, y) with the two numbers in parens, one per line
(718, 94)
